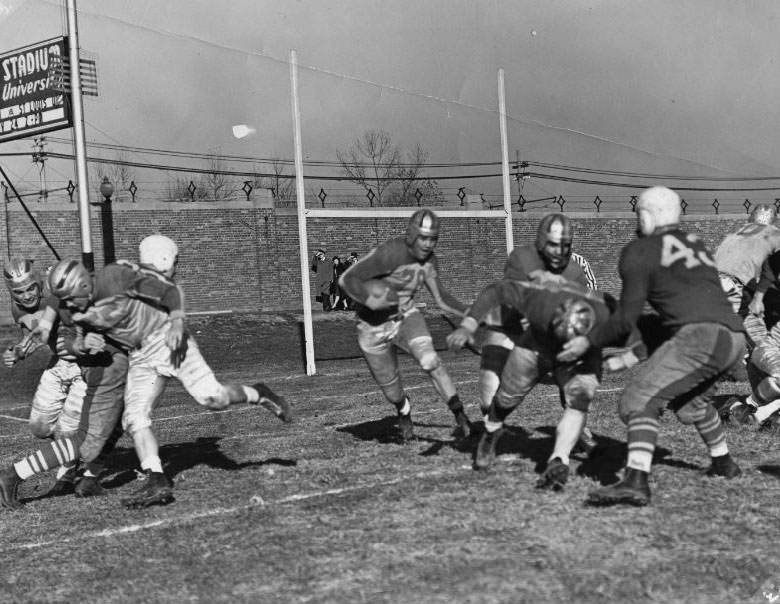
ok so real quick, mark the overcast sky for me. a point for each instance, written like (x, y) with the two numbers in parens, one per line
(657, 86)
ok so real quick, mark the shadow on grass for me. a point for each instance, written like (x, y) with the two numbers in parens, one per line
(772, 470)
(180, 457)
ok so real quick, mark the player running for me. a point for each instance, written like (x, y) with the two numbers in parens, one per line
(673, 272)
(384, 284)
(555, 312)
(56, 406)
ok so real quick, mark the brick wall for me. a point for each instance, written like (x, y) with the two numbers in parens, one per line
(243, 256)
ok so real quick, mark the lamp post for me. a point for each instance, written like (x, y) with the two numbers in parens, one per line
(107, 221)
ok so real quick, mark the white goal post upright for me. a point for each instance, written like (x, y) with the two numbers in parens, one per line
(308, 327)
(505, 163)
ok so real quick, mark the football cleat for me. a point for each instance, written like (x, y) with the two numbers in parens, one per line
(772, 422)
(276, 404)
(9, 485)
(555, 475)
(725, 466)
(405, 428)
(89, 486)
(463, 427)
(742, 413)
(632, 490)
(156, 490)
(486, 449)
(65, 485)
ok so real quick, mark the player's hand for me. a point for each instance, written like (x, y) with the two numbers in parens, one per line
(9, 357)
(175, 335)
(94, 342)
(459, 338)
(756, 306)
(573, 349)
(179, 353)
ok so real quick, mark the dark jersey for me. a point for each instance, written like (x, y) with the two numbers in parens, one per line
(523, 264)
(676, 275)
(537, 302)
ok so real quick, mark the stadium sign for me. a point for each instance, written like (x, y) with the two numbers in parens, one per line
(33, 98)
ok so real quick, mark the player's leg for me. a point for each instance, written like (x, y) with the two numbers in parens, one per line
(381, 357)
(143, 390)
(684, 366)
(414, 337)
(578, 384)
(105, 377)
(47, 403)
(72, 383)
(495, 351)
(521, 373)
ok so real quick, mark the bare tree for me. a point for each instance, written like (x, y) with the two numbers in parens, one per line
(281, 183)
(120, 175)
(372, 162)
(216, 184)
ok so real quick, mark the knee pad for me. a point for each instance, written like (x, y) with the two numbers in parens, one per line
(628, 408)
(134, 420)
(579, 392)
(41, 429)
(426, 355)
(493, 358)
(488, 386)
(691, 412)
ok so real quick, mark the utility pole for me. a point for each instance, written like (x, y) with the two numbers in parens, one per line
(87, 257)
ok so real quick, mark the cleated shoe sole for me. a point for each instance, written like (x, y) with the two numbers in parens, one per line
(276, 404)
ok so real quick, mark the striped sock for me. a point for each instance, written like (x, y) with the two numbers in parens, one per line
(56, 453)
(711, 431)
(642, 437)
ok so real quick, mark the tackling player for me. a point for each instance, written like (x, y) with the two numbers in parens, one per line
(546, 260)
(159, 349)
(56, 406)
(673, 272)
(555, 312)
(384, 284)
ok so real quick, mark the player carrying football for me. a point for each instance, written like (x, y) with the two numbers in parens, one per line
(555, 312)
(384, 284)
(672, 271)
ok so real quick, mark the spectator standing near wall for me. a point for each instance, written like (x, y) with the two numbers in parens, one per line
(324, 277)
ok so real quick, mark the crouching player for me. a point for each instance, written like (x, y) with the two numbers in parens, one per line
(383, 284)
(555, 312)
(56, 406)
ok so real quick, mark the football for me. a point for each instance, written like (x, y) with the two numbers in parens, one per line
(379, 294)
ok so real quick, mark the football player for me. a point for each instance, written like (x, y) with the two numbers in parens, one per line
(739, 259)
(672, 271)
(546, 260)
(103, 363)
(383, 284)
(56, 406)
(555, 312)
(159, 349)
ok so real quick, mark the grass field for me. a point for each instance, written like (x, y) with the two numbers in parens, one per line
(332, 509)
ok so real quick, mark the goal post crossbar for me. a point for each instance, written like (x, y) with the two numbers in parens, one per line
(399, 213)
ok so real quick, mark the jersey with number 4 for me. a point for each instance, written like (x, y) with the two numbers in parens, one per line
(676, 275)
